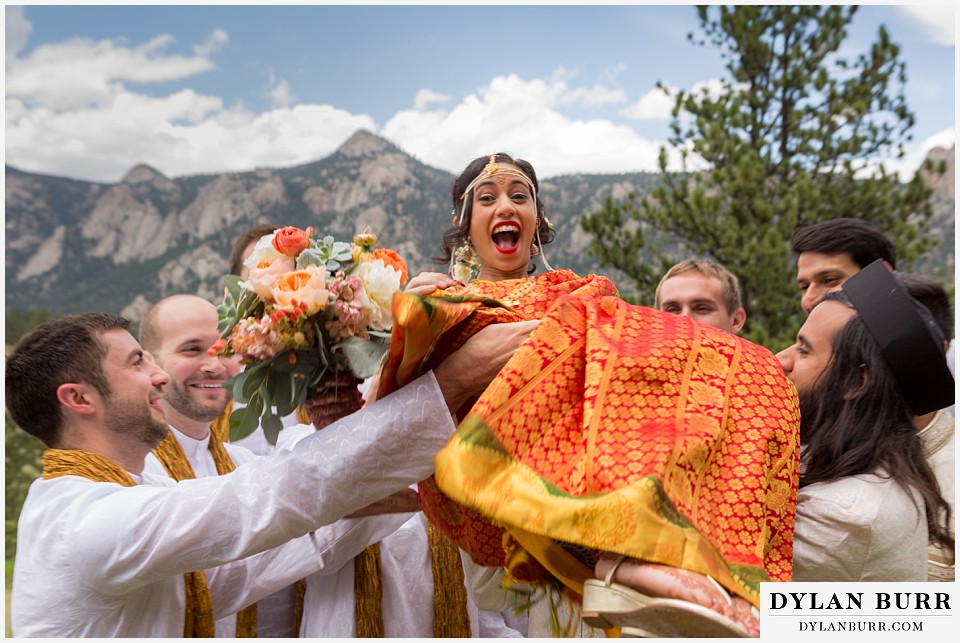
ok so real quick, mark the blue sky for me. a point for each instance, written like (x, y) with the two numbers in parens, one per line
(92, 90)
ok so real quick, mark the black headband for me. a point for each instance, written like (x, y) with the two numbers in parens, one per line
(909, 338)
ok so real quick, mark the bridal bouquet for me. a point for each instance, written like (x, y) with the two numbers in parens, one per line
(308, 309)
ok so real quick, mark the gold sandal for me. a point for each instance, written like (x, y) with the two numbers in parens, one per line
(607, 604)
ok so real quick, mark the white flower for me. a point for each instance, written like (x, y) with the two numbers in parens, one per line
(380, 282)
(263, 252)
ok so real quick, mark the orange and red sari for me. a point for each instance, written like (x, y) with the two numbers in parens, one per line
(613, 428)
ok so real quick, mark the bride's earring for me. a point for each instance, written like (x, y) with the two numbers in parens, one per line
(537, 248)
(464, 264)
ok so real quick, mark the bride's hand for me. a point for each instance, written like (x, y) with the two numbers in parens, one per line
(426, 282)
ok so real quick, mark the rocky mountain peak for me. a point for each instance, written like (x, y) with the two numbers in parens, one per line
(364, 143)
(142, 173)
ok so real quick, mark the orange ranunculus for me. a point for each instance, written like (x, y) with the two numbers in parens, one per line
(392, 259)
(291, 241)
(305, 289)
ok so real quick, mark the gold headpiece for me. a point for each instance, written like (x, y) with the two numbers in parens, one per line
(492, 168)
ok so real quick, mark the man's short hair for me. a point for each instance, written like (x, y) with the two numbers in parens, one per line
(731, 285)
(932, 295)
(59, 351)
(252, 234)
(858, 238)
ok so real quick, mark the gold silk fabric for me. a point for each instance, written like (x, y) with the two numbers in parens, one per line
(613, 428)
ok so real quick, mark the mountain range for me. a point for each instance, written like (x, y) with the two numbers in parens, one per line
(77, 245)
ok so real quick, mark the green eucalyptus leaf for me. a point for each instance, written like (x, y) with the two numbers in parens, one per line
(243, 422)
(272, 425)
(309, 258)
(283, 394)
(363, 356)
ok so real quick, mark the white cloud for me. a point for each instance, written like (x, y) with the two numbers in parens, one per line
(916, 153)
(655, 104)
(521, 117)
(427, 97)
(938, 21)
(594, 96)
(80, 72)
(182, 134)
(215, 42)
(658, 103)
(16, 30)
(278, 91)
(71, 109)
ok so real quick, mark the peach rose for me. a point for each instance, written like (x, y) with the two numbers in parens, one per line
(263, 275)
(291, 241)
(304, 289)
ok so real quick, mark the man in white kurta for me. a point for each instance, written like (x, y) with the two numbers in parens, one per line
(329, 606)
(939, 447)
(99, 559)
(179, 331)
(859, 528)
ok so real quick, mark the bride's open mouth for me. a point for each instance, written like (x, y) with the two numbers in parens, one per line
(506, 236)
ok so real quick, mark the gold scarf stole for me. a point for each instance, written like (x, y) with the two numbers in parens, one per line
(174, 460)
(450, 616)
(220, 431)
(59, 462)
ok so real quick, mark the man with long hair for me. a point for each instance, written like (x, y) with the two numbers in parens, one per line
(868, 359)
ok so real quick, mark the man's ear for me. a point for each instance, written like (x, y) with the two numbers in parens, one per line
(866, 378)
(77, 398)
(739, 319)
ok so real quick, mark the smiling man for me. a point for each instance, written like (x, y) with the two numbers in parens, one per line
(177, 332)
(830, 252)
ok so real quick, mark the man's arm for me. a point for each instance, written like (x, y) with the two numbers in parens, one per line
(356, 461)
(199, 524)
(468, 371)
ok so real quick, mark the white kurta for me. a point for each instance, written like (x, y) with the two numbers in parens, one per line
(938, 445)
(275, 613)
(406, 573)
(98, 559)
(859, 528)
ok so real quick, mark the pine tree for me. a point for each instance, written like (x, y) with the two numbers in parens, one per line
(786, 142)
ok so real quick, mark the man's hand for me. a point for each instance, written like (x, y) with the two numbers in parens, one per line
(337, 398)
(468, 371)
(401, 502)
(426, 282)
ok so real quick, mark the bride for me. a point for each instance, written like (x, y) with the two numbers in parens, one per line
(631, 458)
